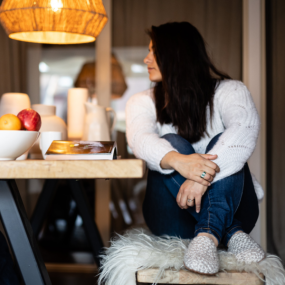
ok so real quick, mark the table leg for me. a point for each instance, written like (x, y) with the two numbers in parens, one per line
(87, 217)
(43, 205)
(102, 211)
(20, 235)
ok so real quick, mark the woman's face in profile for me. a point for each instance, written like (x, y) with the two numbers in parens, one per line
(153, 69)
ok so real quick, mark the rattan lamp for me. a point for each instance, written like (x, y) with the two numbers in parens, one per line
(53, 21)
(87, 74)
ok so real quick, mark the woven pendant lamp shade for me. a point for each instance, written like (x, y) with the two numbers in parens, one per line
(53, 21)
(87, 74)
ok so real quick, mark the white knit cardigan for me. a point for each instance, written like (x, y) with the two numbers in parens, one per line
(234, 115)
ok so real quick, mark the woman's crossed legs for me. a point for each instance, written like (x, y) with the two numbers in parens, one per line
(229, 205)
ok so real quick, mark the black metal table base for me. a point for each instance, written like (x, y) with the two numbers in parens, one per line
(21, 233)
(85, 212)
(79, 195)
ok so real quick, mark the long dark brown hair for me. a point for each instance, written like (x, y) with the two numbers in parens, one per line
(188, 78)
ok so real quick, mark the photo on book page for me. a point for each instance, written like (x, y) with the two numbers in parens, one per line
(81, 150)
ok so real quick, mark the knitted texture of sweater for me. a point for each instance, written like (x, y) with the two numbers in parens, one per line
(234, 115)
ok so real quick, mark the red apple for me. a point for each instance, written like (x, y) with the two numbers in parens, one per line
(30, 119)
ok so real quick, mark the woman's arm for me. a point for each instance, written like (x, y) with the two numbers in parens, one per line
(143, 139)
(142, 132)
(242, 125)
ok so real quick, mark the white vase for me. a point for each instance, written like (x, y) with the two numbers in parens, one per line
(50, 123)
(96, 126)
(13, 103)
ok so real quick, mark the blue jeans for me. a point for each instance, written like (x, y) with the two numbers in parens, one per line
(229, 205)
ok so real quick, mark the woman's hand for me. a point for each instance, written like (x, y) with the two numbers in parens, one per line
(190, 190)
(192, 166)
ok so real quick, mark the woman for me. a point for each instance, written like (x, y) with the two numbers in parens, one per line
(196, 129)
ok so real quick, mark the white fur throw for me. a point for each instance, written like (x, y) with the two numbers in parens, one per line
(138, 249)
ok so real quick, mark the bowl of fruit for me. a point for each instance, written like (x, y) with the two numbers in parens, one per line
(18, 133)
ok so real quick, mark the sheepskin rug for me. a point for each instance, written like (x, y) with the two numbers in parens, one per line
(138, 249)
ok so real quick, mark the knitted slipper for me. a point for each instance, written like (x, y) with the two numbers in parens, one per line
(245, 248)
(202, 256)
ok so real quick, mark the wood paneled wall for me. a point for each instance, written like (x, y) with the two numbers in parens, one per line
(219, 21)
(13, 64)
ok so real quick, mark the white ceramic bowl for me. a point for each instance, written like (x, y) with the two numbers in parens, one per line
(15, 143)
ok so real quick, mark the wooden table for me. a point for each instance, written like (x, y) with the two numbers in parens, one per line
(18, 228)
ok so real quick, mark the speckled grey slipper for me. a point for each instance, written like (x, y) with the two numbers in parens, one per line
(202, 256)
(245, 248)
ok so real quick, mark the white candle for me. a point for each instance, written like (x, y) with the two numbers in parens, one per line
(76, 112)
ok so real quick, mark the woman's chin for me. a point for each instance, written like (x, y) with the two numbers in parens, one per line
(155, 78)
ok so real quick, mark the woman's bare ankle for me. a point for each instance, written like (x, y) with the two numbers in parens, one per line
(213, 238)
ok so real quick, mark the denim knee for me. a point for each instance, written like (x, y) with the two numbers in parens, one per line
(178, 142)
(212, 142)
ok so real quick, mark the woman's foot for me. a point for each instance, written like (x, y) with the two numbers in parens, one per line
(201, 256)
(245, 248)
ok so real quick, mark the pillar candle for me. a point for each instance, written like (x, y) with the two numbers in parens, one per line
(76, 112)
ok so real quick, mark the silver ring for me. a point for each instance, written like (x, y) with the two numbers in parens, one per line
(203, 174)
(189, 200)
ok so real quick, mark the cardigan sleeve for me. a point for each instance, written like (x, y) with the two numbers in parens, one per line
(242, 124)
(142, 132)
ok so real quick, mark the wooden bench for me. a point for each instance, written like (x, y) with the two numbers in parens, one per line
(186, 277)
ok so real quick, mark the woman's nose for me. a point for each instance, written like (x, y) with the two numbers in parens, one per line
(147, 60)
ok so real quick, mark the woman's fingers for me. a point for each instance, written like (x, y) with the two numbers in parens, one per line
(212, 165)
(178, 197)
(208, 170)
(198, 203)
(209, 156)
(190, 202)
(190, 193)
(209, 163)
(183, 200)
(207, 177)
(201, 180)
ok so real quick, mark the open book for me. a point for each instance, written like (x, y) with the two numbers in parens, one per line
(82, 150)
